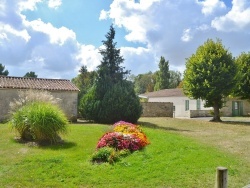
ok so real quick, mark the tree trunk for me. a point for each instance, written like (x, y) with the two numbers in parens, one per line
(216, 117)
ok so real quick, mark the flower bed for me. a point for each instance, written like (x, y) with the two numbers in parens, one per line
(125, 136)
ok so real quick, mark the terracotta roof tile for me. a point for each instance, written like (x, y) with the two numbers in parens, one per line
(178, 92)
(36, 83)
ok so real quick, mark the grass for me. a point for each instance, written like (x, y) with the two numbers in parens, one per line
(176, 157)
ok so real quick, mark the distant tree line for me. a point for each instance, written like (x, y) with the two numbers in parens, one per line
(5, 72)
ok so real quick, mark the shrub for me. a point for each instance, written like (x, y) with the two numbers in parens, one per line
(39, 121)
(108, 154)
(120, 102)
(125, 138)
(110, 105)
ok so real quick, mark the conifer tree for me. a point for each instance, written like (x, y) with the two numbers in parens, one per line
(163, 75)
(112, 98)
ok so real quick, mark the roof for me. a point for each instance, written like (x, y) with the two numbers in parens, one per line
(36, 83)
(177, 92)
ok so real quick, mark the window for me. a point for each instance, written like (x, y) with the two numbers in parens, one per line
(186, 105)
(198, 104)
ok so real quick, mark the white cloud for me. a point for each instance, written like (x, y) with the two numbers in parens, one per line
(186, 35)
(2, 7)
(89, 56)
(54, 3)
(56, 35)
(131, 15)
(28, 4)
(139, 60)
(103, 15)
(34, 45)
(7, 29)
(173, 29)
(237, 19)
(210, 6)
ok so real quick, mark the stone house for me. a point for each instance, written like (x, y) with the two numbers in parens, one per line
(59, 88)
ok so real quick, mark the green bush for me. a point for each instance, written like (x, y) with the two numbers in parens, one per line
(39, 121)
(108, 154)
(89, 105)
(119, 102)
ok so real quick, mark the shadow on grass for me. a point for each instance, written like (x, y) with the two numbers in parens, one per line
(236, 122)
(46, 145)
(154, 126)
(59, 146)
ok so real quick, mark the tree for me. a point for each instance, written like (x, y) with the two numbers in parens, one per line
(242, 88)
(210, 75)
(112, 98)
(144, 83)
(163, 75)
(84, 81)
(2, 71)
(174, 79)
(30, 74)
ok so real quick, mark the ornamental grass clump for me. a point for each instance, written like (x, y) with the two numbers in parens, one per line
(41, 122)
(125, 137)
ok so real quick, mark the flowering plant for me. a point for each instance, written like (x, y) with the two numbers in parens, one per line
(125, 136)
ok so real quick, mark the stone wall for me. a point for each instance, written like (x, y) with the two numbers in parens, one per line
(68, 102)
(157, 109)
(200, 113)
(227, 109)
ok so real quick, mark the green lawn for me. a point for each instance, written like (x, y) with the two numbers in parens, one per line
(171, 160)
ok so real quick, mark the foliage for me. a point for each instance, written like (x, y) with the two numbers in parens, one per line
(242, 88)
(126, 137)
(163, 75)
(174, 79)
(84, 81)
(120, 102)
(108, 154)
(144, 83)
(39, 121)
(111, 97)
(110, 70)
(2, 71)
(29, 96)
(210, 75)
(30, 74)
(147, 82)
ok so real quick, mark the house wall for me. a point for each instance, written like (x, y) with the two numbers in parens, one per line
(157, 109)
(68, 102)
(179, 103)
(227, 109)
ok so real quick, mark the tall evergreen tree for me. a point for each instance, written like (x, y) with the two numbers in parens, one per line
(110, 67)
(112, 98)
(163, 75)
(2, 71)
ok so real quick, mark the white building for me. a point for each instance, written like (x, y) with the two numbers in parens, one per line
(183, 106)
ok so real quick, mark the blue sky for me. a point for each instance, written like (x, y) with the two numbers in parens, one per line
(55, 38)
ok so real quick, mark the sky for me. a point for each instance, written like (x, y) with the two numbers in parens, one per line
(54, 38)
